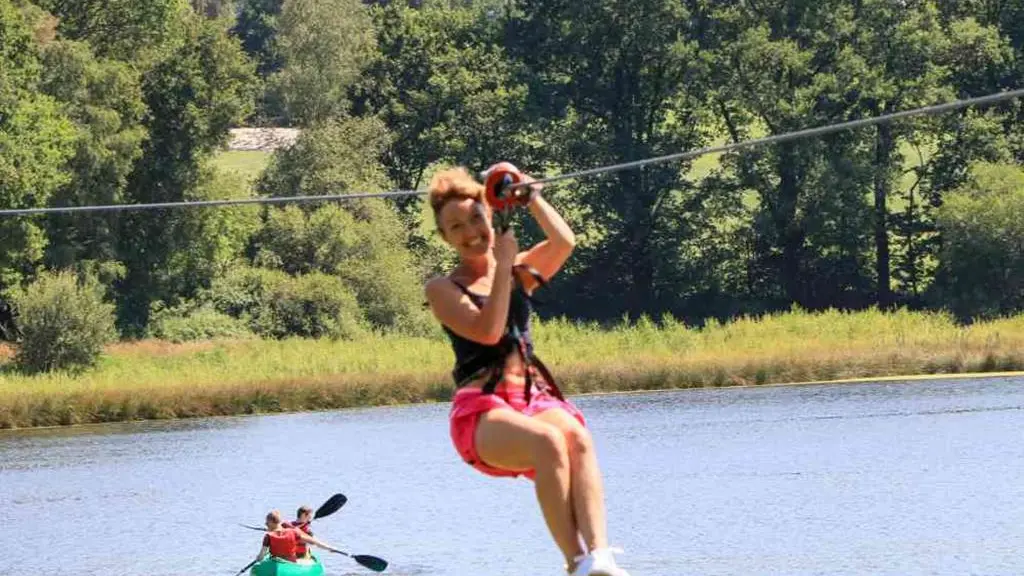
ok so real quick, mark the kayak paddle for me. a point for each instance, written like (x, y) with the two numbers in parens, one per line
(332, 505)
(371, 562)
(240, 572)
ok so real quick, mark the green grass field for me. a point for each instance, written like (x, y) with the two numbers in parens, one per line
(154, 379)
(249, 164)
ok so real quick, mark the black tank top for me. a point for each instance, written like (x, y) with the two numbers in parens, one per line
(471, 356)
(473, 359)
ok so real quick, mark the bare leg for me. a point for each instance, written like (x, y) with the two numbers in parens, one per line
(587, 487)
(508, 440)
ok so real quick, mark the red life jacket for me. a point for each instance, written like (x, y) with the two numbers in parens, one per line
(282, 544)
(300, 546)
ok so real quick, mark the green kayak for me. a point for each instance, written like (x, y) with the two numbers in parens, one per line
(277, 567)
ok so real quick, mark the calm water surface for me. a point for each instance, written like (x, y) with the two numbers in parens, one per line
(904, 479)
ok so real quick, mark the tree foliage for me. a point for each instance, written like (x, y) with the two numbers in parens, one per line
(132, 102)
(324, 45)
(981, 265)
(64, 321)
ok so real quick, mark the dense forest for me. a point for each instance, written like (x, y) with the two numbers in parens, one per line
(123, 101)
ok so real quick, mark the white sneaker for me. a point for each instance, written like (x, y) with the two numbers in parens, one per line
(599, 563)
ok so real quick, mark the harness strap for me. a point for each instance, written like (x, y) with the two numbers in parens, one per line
(541, 282)
(495, 358)
(497, 371)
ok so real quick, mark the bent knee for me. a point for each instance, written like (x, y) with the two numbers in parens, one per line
(550, 446)
(579, 441)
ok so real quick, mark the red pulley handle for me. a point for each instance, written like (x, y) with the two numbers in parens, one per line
(498, 177)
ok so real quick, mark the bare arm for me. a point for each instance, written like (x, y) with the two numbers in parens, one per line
(454, 309)
(315, 542)
(548, 256)
(264, 550)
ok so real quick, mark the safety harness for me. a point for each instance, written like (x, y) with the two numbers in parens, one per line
(494, 358)
(502, 199)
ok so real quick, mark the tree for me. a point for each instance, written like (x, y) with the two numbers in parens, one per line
(784, 66)
(214, 8)
(972, 56)
(903, 69)
(981, 62)
(324, 45)
(615, 82)
(35, 142)
(127, 30)
(210, 240)
(446, 90)
(104, 100)
(449, 94)
(193, 95)
(363, 242)
(256, 26)
(336, 157)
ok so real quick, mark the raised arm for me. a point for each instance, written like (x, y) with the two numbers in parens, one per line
(454, 309)
(547, 256)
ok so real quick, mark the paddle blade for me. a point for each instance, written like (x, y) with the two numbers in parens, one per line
(371, 562)
(331, 506)
(257, 528)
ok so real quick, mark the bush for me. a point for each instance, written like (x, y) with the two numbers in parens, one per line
(363, 244)
(64, 322)
(313, 305)
(189, 323)
(981, 265)
(277, 305)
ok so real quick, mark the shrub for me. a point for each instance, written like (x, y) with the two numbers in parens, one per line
(188, 323)
(64, 321)
(981, 265)
(277, 305)
(363, 244)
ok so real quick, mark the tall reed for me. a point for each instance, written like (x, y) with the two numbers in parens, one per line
(154, 379)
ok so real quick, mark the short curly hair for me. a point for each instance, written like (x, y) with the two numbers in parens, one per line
(453, 184)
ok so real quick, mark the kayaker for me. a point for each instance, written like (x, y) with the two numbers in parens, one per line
(281, 542)
(303, 517)
(508, 417)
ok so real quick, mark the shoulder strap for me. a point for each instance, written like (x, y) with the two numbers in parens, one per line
(477, 299)
(462, 287)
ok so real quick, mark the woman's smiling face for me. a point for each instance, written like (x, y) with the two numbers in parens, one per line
(466, 225)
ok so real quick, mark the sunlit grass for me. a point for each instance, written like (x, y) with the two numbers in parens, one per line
(153, 379)
(248, 164)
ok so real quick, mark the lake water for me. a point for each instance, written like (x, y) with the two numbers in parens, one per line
(923, 478)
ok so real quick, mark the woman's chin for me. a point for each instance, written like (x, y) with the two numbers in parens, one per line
(475, 252)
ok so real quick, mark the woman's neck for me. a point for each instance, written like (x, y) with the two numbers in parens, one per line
(479, 267)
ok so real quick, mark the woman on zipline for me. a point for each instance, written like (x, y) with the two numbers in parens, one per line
(508, 417)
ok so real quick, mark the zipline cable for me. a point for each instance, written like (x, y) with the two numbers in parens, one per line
(786, 137)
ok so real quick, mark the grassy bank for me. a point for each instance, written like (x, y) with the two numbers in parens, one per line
(153, 379)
